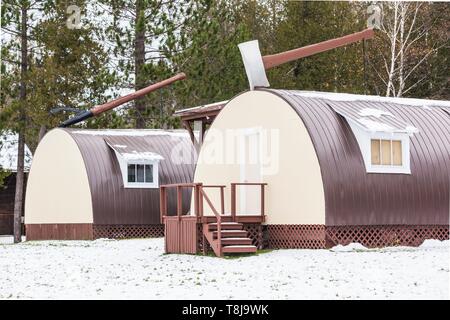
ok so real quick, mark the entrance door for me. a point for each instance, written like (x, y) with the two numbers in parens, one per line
(250, 171)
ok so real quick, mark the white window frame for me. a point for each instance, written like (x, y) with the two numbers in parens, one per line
(364, 139)
(154, 184)
(123, 163)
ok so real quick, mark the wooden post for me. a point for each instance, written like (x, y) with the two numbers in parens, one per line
(179, 202)
(262, 201)
(219, 235)
(222, 200)
(162, 203)
(200, 200)
(233, 202)
(196, 200)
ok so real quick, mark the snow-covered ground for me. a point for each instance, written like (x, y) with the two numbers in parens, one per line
(138, 269)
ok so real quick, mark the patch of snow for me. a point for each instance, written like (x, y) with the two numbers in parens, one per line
(134, 132)
(203, 106)
(139, 269)
(372, 125)
(434, 243)
(348, 248)
(411, 129)
(8, 152)
(374, 112)
(357, 97)
(135, 155)
(8, 239)
(120, 146)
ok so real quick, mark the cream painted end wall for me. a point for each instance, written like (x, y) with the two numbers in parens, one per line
(58, 187)
(295, 193)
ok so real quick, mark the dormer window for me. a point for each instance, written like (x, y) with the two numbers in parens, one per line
(138, 166)
(382, 138)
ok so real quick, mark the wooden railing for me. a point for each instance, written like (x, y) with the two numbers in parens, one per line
(233, 196)
(179, 187)
(198, 203)
(200, 196)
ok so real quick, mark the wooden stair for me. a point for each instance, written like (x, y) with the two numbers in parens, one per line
(233, 238)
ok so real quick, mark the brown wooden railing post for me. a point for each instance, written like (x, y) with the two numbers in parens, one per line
(200, 200)
(162, 203)
(179, 202)
(196, 200)
(233, 202)
(219, 234)
(262, 201)
(222, 200)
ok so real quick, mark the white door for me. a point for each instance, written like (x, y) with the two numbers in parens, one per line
(250, 171)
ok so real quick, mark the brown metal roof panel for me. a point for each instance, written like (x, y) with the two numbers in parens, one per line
(114, 204)
(355, 197)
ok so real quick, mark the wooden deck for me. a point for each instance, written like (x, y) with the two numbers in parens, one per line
(224, 233)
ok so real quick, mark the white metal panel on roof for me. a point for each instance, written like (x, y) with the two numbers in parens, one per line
(372, 118)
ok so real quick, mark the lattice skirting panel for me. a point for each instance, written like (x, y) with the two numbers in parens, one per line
(380, 236)
(292, 236)
(320, 236)
(128, 231)
(255, 232)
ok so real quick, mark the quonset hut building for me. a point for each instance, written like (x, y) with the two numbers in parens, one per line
(88, 184)
(338, 168)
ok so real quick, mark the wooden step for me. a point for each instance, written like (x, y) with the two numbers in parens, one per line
(226, 226)
(238, 249)
(231, 234)
(236, 241)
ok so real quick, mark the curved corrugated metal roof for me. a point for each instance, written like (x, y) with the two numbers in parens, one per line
(114, 204)
(354, 197)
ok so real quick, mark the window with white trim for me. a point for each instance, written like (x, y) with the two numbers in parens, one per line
(141, 174)
(386, 152)
(139, 169)
(383, 152)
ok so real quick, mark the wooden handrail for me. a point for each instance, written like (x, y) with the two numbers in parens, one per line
(184, 185)
(249, 183)
(233, 196)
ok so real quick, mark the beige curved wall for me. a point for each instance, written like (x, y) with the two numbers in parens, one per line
(295, 192)
(58, 188)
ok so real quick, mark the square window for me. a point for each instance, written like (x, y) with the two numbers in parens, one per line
(141, 175)
(131, 173)
(386, 152)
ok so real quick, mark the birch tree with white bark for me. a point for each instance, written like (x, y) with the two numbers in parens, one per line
(407, 44)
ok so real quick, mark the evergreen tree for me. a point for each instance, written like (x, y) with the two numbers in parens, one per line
(210, 56)
(143, 35)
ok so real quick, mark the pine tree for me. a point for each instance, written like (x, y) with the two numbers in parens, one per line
(143, 35)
